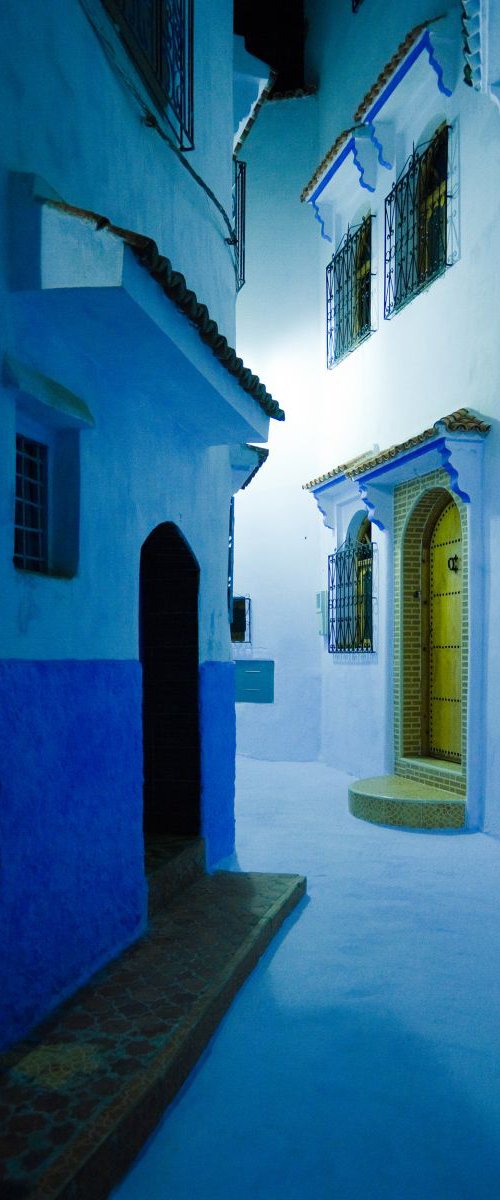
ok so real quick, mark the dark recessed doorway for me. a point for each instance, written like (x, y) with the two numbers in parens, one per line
(169, 584)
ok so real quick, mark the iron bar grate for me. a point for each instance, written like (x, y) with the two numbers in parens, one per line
(416, 222)
(350, 597)
(159, 36)
(31, 510)
(239, 214)
(348, 293)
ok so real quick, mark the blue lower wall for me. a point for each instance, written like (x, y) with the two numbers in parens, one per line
(218, 752)
(72, 888)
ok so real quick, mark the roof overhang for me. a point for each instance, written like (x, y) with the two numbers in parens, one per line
(103, 302)
(427, 57)
(245, 462)
(454, 443)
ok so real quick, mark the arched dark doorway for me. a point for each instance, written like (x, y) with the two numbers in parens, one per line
(169, 584)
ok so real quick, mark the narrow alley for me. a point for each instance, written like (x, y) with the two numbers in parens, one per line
(361, 1059)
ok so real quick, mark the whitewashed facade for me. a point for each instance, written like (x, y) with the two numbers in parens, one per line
(389, 78)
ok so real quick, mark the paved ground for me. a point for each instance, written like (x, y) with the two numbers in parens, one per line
(81, 1094)
(361, 1060)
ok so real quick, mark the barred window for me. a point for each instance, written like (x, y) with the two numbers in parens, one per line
(31, 511)
(241, 624)
(239, 217)
(230, 561)
(348, 292)
(350, 594)
(416, 221)
(158, 35)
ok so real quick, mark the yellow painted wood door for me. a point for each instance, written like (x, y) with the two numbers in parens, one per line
(445, 682)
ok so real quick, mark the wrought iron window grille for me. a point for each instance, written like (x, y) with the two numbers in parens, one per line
(420, 223)
(230, 561)
(159, 37)
(31, 506)
(348, 293)
(350, 598)
(239, 218)
(241, 624)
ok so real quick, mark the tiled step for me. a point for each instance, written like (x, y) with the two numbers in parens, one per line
(80, 1096)
(172, 863)
(394, 800)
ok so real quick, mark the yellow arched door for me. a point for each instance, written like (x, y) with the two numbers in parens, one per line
(445, 681)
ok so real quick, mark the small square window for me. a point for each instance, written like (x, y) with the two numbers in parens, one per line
(31, 512)
(241, 630)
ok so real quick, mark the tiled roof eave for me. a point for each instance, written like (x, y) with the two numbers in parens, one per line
(174, 286)
(262, 454)
(366, 104)
(460, 421)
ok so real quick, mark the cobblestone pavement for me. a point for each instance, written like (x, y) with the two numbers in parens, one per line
(79, 1097)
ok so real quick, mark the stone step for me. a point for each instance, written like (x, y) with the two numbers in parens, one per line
(80, 1096)
(395, 800)
(172, 863)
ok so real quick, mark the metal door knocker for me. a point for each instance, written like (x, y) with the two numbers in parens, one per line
(453, 562)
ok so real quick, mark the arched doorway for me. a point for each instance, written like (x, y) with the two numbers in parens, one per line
(169, 583)
(433, 633)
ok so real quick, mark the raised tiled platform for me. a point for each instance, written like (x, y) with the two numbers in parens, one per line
(80, 1096)
(394, 800)
(172, 863)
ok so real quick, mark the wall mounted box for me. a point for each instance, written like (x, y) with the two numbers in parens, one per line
(255, 681)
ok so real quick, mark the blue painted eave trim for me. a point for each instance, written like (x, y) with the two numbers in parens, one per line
(392, 464)
(424, 43)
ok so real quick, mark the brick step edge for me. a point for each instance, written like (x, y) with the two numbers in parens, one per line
(107, 1154)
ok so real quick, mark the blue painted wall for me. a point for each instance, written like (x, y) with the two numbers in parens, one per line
(218, 749)
(72, 889)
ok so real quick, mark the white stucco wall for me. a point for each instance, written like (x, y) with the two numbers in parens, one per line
(276, 529)
(438, 354)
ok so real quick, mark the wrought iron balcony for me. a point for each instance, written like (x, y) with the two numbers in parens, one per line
(416, 224)
(350, 598)
(159, 37)
(348, 293)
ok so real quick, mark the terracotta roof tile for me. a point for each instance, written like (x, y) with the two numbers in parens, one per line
(269, 93)
(389, 69)
(309, 89)
(262, 455)
(174, 286)
(460, 421)
(264, 95)
(326, 162)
